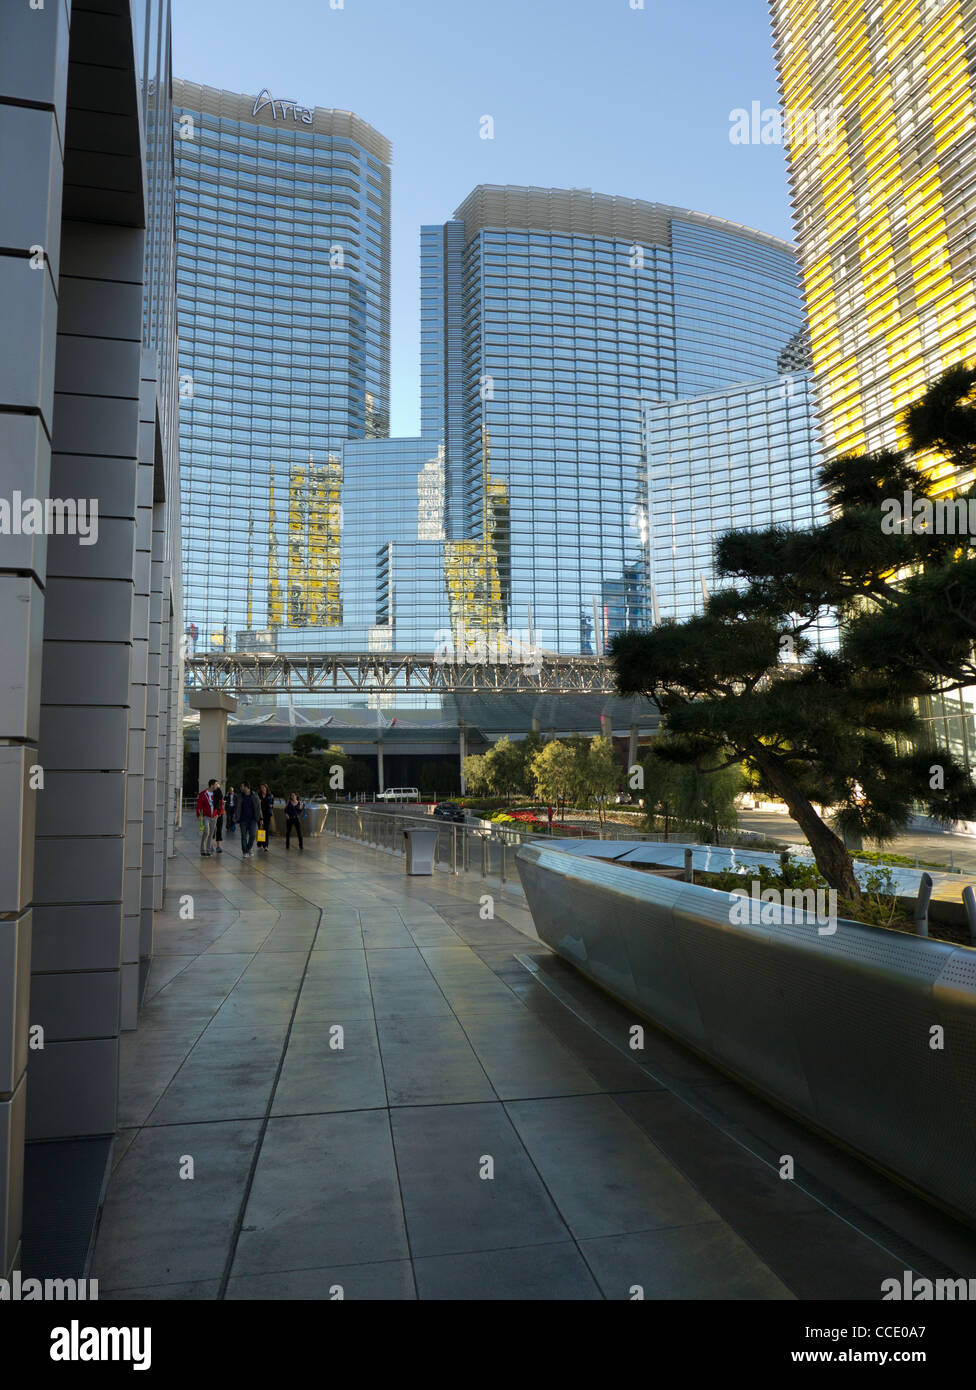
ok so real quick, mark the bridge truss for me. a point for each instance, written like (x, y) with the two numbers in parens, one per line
(385, 673)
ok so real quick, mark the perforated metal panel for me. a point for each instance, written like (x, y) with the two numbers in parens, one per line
(953, 994)
(838, 1027)
(735, 974)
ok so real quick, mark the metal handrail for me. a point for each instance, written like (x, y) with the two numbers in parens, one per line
(383, 830)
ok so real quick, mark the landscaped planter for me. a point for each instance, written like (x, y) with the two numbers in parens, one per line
(837, 1028)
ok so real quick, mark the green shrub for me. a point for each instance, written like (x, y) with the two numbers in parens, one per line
(899, 860)
(879, 905)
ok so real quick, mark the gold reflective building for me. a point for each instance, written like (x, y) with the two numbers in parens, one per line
(884, 199)
(477, 572)
(310, 595)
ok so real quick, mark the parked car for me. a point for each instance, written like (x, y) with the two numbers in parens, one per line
(399, 794)
(449, 810)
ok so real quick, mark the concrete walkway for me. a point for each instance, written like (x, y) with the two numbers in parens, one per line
(484, 1130)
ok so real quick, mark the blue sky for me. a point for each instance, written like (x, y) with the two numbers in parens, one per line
(583, 93)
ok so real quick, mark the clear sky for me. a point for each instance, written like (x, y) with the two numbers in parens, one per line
(583, 94)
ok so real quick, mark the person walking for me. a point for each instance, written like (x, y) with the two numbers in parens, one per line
(267, 806)
(218, 801)
(208, 819)
(294, 811)
(248, 815)
(230, 808)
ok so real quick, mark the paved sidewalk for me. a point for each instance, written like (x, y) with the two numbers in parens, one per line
(483, 1132)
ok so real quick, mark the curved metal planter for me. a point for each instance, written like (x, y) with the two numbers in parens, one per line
(837, 1028)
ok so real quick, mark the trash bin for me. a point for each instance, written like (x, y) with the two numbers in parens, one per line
(420, 846)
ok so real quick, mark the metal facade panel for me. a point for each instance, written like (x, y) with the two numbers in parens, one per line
(839, 1027)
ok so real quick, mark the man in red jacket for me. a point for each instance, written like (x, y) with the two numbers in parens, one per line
(208, 818)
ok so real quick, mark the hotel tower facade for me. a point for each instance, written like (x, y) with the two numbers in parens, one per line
(884, 199)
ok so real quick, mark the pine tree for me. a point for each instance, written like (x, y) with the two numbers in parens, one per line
(836, 728)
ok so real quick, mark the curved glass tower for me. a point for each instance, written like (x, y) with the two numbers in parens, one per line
(283, 222)
(551, 319)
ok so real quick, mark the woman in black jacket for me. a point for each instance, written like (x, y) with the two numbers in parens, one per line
(267, 806)
(248, 816)
(294, 810)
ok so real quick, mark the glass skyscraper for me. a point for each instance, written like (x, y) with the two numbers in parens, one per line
(392, 547)
(283, 222)
(883, 171)
(742, 458)
(884, 203)
(550, 319)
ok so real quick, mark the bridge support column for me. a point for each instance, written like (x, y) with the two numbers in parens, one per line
(462, 753)
(380, 786)
(214, 707)
(632, 747)
(606, 726)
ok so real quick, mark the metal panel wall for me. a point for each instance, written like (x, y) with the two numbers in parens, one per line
(837, 1027)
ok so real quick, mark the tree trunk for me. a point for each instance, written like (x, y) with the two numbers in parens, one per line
(831, 854)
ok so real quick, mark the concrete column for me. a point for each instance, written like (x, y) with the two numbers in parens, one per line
(84, 730)
(462, 753)
(214, 707)
(139, 694)
(380, 786)
(175, 718)
(163, 784)
(632, 746)
(606, 726)
(33, 87)
(535, 725)
(153, 686)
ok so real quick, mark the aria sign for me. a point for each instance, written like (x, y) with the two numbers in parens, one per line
(282, 108)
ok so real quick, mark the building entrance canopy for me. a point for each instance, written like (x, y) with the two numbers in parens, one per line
(492, 716)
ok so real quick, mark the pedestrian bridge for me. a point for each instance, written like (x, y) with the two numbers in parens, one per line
(387, 673)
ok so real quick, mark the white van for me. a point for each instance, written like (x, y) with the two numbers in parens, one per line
(399, 794)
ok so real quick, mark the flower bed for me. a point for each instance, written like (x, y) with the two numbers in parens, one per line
(528, 818)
